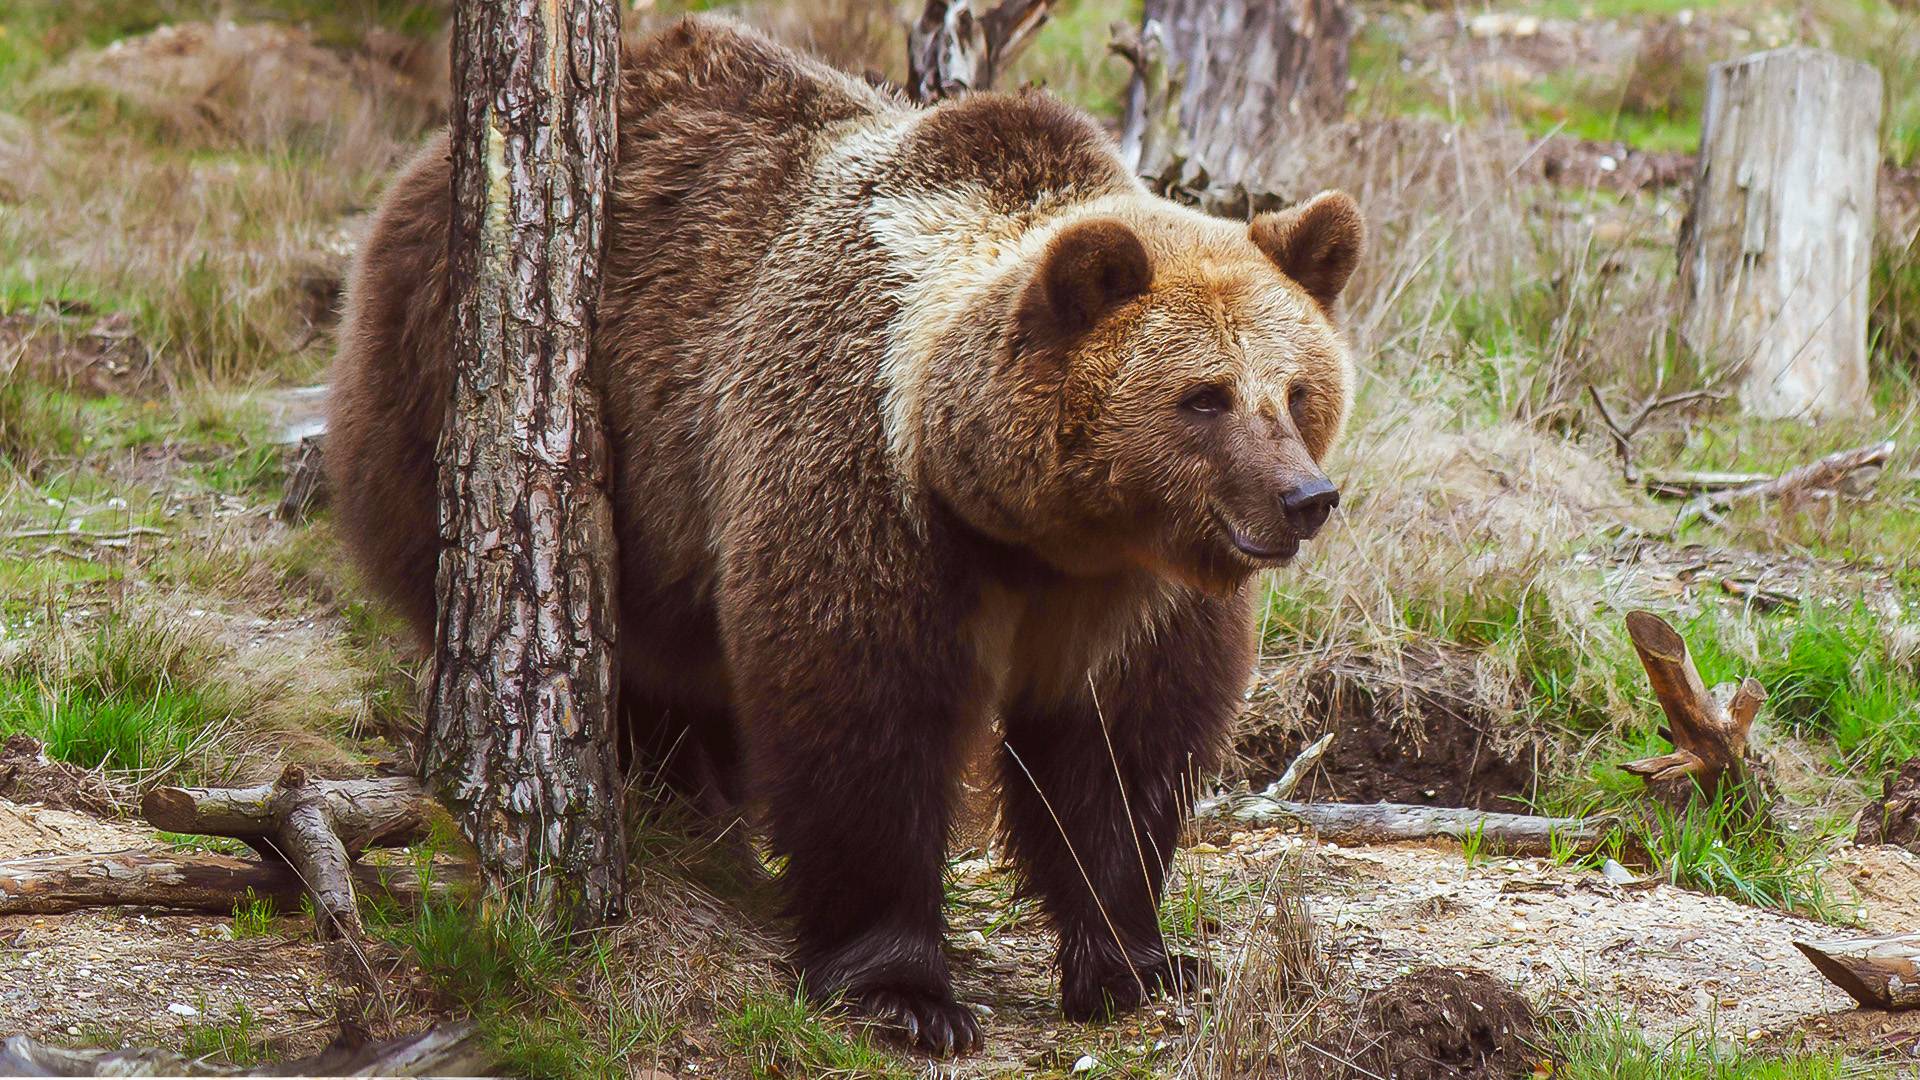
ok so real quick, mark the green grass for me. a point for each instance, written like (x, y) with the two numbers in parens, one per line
(235, 1041)
(37, 425)
(253, 916)
(782, 1036)
(1714, 849)
(521, 982)
(219, 845)
(36, 33)
(1828, 674)
(133, 697)
(1655, 101)
(1610, 1048)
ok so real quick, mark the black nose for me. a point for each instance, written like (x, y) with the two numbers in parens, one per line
(1308, 504)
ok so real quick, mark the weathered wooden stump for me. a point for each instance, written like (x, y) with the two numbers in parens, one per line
(1775, 251)
(1877, 972)
(1248, 75)
(951, 49)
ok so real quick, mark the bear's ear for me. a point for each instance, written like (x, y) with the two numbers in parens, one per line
(1316, 243)
(1089, 268)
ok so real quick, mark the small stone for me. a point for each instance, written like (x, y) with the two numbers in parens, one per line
(1615, 873)
(181, 1008)
(1087, 1063)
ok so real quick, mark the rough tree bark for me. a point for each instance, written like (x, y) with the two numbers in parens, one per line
(1248, 75)
(1774, 253)
(523, 686)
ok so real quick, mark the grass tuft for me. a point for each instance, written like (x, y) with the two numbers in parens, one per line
(136, 696)
(781, 1035)
(236, 1041)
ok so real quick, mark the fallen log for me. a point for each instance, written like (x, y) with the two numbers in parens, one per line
(1686, 484)
(1709, 736)
(1877, 972)
(1380, 823)
(316, 826)
(53, 884)
(1832, 473)
(388, 811)
(453, 1050)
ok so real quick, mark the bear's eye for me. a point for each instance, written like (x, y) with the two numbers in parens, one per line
(1297, 403)
(1207, 401)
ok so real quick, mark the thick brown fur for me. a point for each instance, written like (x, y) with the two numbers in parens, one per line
(919, 419)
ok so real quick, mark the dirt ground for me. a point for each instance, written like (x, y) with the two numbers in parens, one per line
(1671, 960)
(127, 977)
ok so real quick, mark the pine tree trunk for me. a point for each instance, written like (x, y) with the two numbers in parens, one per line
(1775, 252)
(519, 742)
(1249, 75)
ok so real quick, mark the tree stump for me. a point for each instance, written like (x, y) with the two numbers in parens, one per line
(1708, 729)
(519, 741)
(1775, 250)
(1877, 972)
(1249, 75)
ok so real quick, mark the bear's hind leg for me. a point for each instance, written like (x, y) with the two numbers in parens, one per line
(1092, 816)
(689, 752)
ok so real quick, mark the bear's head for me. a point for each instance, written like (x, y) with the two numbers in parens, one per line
(1193, 378)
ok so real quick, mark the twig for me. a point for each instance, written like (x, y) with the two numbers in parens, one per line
(76, 534)
(1304, 761)
(1623, 433)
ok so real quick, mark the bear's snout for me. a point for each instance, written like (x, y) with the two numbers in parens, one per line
(1308, 504)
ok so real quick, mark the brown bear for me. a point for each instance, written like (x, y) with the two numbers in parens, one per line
(921, 420)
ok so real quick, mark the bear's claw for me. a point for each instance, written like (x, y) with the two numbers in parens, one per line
(935, 1025)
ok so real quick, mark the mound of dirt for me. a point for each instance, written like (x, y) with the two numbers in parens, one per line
(253, 84)
(27, 775)
(1434, 1023)
(1895, 819)
(1415, 728)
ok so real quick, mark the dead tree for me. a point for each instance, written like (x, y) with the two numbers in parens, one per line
(950, 49)
(519, 728)
(1246, 77)
(1775, 250)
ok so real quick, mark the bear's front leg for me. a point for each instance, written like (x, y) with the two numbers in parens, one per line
(1092, 816)
(854, 708)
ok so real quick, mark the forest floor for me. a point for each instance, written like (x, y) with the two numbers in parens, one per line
(181, 183)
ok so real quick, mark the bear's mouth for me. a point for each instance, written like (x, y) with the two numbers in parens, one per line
(1274, 552)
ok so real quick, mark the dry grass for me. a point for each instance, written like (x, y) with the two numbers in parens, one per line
(1276, 992)
(204, 179)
